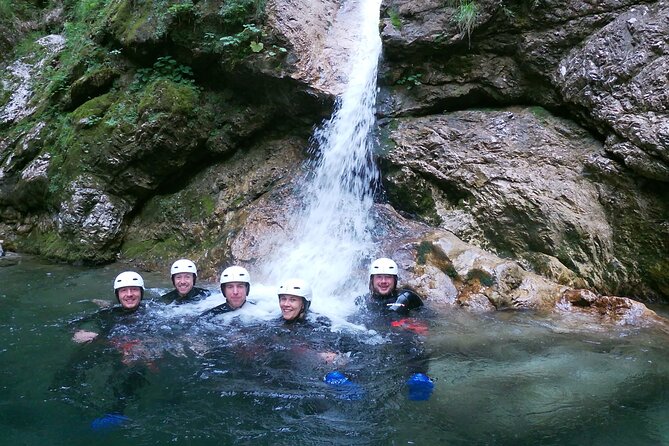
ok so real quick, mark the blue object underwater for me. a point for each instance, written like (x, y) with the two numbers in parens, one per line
(108, 422)
(348, 389)
(420, 387)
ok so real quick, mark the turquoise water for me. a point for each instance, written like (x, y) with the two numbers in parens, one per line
(501, 379)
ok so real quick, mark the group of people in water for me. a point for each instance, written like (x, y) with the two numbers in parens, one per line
(384, 300)
(294, 295)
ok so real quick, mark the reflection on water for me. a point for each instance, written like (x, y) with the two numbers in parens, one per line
(501, 379)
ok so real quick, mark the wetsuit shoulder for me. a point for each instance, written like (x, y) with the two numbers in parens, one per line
(221, 309)
(403, 301)
(198, 293)
(410, 299)
(170, 296)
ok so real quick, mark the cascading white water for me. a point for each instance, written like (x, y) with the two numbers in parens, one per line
(331, 235)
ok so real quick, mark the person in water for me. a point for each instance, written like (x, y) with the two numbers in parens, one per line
(383, 291)
(184, 276)
(129, 363)
(294, 300)
(235, 286)
(389, 306)
(129, 291)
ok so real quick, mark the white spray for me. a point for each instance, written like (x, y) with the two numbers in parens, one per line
(331, 241)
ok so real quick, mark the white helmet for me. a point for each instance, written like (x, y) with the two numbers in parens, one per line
(128, 278)
(383, 266)
(183, 266)
(296, 287)
(235, 274)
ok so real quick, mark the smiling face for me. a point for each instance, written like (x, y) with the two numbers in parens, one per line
(235, 293)
(129, 297)
(183, 282)
(383, 284)
(291, 306)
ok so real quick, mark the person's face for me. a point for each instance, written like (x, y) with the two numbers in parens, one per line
(291, 306)
(130, 297)
(183, 282)
(383, 284)
(235, 294)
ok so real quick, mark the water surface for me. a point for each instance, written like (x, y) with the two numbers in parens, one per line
(500, 379)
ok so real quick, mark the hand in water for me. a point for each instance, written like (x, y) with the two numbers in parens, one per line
(82, 336)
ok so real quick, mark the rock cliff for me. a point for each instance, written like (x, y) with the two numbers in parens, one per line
(534, 131)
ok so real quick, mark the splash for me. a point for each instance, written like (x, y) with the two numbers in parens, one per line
(331, 235)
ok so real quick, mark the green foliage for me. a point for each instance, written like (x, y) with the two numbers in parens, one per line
(6, 12)
(412, 80)
(164, 68)
(122, 114)
(256, 47)
(237, 12)
(64, 137)
(182, 11)
(181, 8)
(87, 10)
(395, 18)
(465, 16)
(275, 50)
(5, 95)
(250, 32)
(241, 44)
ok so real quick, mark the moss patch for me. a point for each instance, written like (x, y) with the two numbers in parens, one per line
(50, 244)
(166, 96)
(94, 109)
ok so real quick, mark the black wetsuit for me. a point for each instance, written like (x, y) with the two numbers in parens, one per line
(110, 354)
(393, 316)
(193, 295)
(104, 320)
(222, 309)
(399, 302)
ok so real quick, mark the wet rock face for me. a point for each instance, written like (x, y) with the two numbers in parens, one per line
(620, 74)
(535, 129)
(562, 194)
(604, 63)
(91, 220)
(519, 176)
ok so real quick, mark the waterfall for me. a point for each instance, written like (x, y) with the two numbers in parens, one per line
(331, 237)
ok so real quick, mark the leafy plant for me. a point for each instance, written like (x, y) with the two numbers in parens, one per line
(238, 12)
(256, 47)
(240, 43)
(181, 10)
(165, 68)
(412, 80)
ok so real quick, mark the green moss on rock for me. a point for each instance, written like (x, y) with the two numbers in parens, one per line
(166, 96)
(48, 243)
(93, 109)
